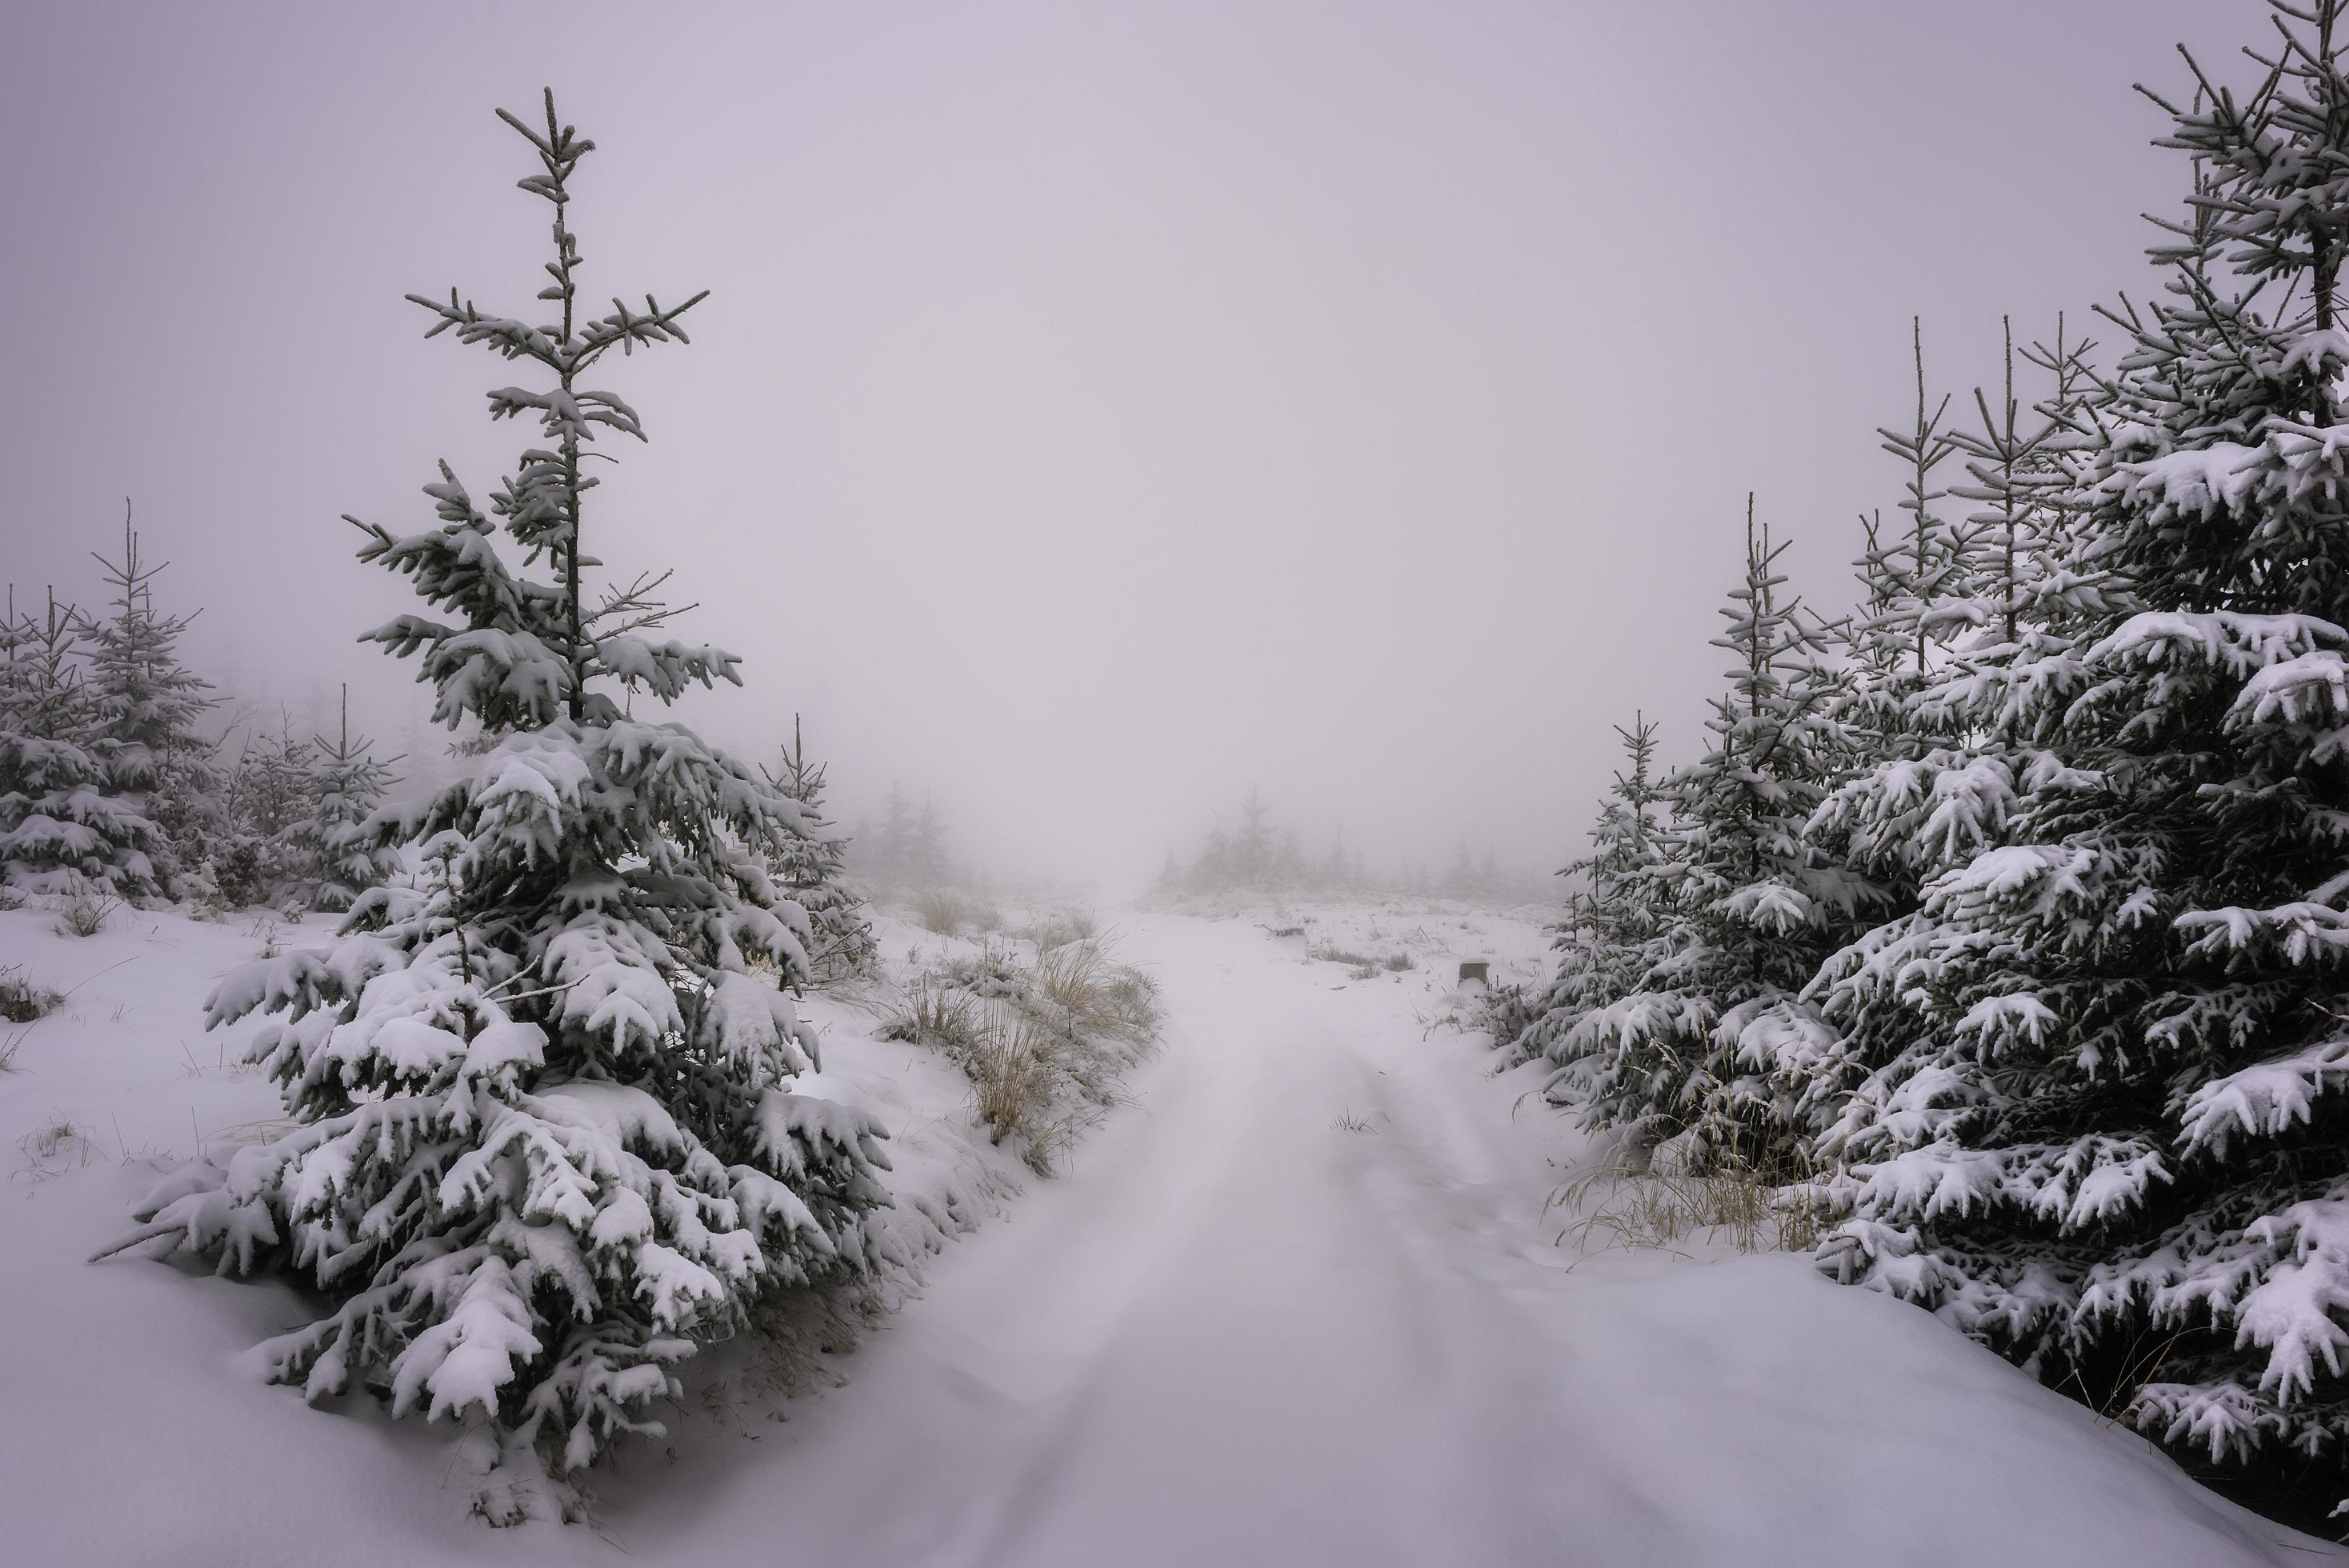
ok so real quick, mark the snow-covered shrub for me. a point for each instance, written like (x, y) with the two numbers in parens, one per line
(545, 1136)
(22, 1001)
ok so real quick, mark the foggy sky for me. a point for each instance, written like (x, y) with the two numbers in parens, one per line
(1099, 408)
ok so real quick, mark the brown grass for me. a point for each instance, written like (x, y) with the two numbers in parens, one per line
(1633, 1206)
(947, 912)
(85, 908)
(1045, 1042)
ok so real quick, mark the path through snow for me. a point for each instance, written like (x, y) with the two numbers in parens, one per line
(1239, 1333)
(1235, 1333)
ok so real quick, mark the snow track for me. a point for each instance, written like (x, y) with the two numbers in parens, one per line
(1236, 1332)
(1239, 1331)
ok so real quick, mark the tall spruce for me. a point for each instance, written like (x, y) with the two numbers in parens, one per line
(1942, 766)
(2119, 1148)
(545, 1142)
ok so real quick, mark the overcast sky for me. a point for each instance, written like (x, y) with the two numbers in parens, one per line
(1099, 408)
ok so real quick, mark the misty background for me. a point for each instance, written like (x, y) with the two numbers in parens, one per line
(1098, 409)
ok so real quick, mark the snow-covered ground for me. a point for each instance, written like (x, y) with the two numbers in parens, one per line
(1301, 1304)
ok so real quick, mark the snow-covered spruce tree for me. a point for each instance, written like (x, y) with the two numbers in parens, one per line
(61, 821)
(1336, 873)
(270, 853)
(812, 869)
(1747, 905)
(333, 839)
(15, 701)
(1212, 871)
(1607, 938)
(1910, 577)
(886, 850)
(545, 1140)
(926, 861)
(1252, 850)
(2120, 1149)
(1940, 762)
(150, 707)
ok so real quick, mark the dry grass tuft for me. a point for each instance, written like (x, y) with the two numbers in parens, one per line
(1362, 966)
(54, 1147)
(1059, 928)
(1045, 1041)
(21, 1001)
(947, 912)
(1635, 1206)
(933, 1011)
(85, 908)
(1011, 1074)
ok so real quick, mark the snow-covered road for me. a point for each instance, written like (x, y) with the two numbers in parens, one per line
(1298, 1305)
(1241, 1333)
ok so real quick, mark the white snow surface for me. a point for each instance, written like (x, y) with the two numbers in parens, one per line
(1235, 1331)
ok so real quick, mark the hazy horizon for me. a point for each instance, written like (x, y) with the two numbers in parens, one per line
(1098, 411)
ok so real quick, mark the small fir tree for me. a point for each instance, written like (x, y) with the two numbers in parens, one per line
(62, 821)
(1751, 906)
(812, 867)
(890, 861)
(273, 853)
(1252, 847)
(1605, 941)
(349, 858)
(927, 864)
(149, 708)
